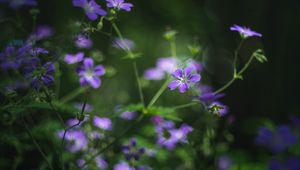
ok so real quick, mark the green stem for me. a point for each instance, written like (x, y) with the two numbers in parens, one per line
(225, 86)
(138, 83)
(246, 65)
(74, 94)
(173, 48)
(158, 93)
(185, 105)
(236, 53)
(134, 64)
(37, 146)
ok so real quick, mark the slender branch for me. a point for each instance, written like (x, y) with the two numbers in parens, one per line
(185, 105)
(158, 93)
(134, 63)
(37, 146)
(74, 94)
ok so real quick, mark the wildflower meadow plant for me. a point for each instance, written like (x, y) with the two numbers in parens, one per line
(73, 81)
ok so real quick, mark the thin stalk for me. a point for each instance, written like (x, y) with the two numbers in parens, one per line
(115, 27)
(173, 48)
(73, 94)
(37, 146)
(158, 93)
(185, 105)
(236, 53)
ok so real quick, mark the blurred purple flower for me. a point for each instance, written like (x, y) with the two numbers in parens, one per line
(74, 58)
(15, 4)
(154, 74)
(12, 57)
(102, 123)
(168, 64)
(222, 109)
(77, 140)
(101, 163)
(278, 140)
(83, 41)
(123, 166)
(42, 32)
(131, 150)
(245, 32)
(128, 115)
(185, 78)
(45, 78)
(292, 163)
(96, 135)
(119, 4)
(90, 74)
(181, 133)
(195, 65)
(224, 163)
(79, 105)
(91, 8)
(123, 44)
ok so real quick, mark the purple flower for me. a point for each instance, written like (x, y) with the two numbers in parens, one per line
(131, 150)
(278, 140)
(293, 163)
(83, 41)
(15, 4)
(154, 74)
(195, 65)
(128, 115)
(218, 108)
(185, 78)
(13, 57)
(123, 166)
(90, 74)
(42, 32)
(224, 163)
(169, 136)
(77, 140)
(74, 58)
(101, 163)
(44, 78)
(119, 4)
(123, 44)
(79, 105)
(91, 8)
(102, 123)
(245, 32)
(168, 65)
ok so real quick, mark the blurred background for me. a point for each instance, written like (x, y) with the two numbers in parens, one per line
(268, 91)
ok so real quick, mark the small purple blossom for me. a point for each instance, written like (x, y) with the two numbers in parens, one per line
(44, 78)
(168, 64)
(77, 140)
(277, 140)
(42, 32)
(185, 78)
(101, 163)
(128, 115)
(218, 108)
(123, 166)
(123, 44)
(245, 32)
(102, 123)
(74, 58)
(83, 41)
(224, 163)
(90, 74)
(91, 8)
(79, 105)
(12, 57)
(292, 163)
(168, 136)
(154, 74)
(119, 4)
(131, 150)
(15, 4)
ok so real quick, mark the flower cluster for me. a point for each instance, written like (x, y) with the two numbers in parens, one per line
(131, 150)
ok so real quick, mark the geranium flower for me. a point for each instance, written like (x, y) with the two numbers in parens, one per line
(91, 8)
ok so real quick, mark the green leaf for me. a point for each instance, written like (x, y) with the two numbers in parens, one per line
(260, 56)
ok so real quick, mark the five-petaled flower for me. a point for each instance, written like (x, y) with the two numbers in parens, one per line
(119, 4)
(90, 74)
(245, 32)
(91, 8)
(185, 78)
